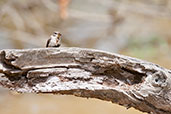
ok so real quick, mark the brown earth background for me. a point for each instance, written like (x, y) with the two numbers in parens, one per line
(137, 28)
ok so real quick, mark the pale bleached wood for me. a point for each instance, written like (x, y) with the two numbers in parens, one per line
(88, 73)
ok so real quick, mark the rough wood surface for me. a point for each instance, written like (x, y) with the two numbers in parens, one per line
(88, 73)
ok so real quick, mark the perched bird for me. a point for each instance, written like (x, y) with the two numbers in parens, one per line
(54, 40)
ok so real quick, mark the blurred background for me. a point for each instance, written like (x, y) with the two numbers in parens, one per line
(137, 28)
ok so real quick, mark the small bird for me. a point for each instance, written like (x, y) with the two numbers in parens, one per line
(54, 40)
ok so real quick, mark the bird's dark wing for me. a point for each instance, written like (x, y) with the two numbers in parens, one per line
(47, 44)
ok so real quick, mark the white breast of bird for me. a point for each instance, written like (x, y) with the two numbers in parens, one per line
(54, 41)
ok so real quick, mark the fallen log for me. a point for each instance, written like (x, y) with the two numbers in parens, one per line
(88, 73)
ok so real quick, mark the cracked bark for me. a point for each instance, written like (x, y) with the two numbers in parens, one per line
(88, 73)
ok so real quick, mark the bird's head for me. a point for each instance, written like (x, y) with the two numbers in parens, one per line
(57, 34)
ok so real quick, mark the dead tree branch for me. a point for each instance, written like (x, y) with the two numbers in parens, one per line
(88, 73)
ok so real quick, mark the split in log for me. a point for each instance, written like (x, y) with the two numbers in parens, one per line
(88, 73)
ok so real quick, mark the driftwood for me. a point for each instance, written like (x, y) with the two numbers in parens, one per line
(88, 73)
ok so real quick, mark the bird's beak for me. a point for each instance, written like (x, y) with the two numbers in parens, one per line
(59, 34)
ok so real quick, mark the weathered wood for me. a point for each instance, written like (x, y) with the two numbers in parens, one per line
(88, 73)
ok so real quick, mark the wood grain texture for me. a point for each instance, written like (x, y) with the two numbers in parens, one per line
(88, 73)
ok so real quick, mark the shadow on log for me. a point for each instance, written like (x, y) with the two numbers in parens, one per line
(88, 73)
